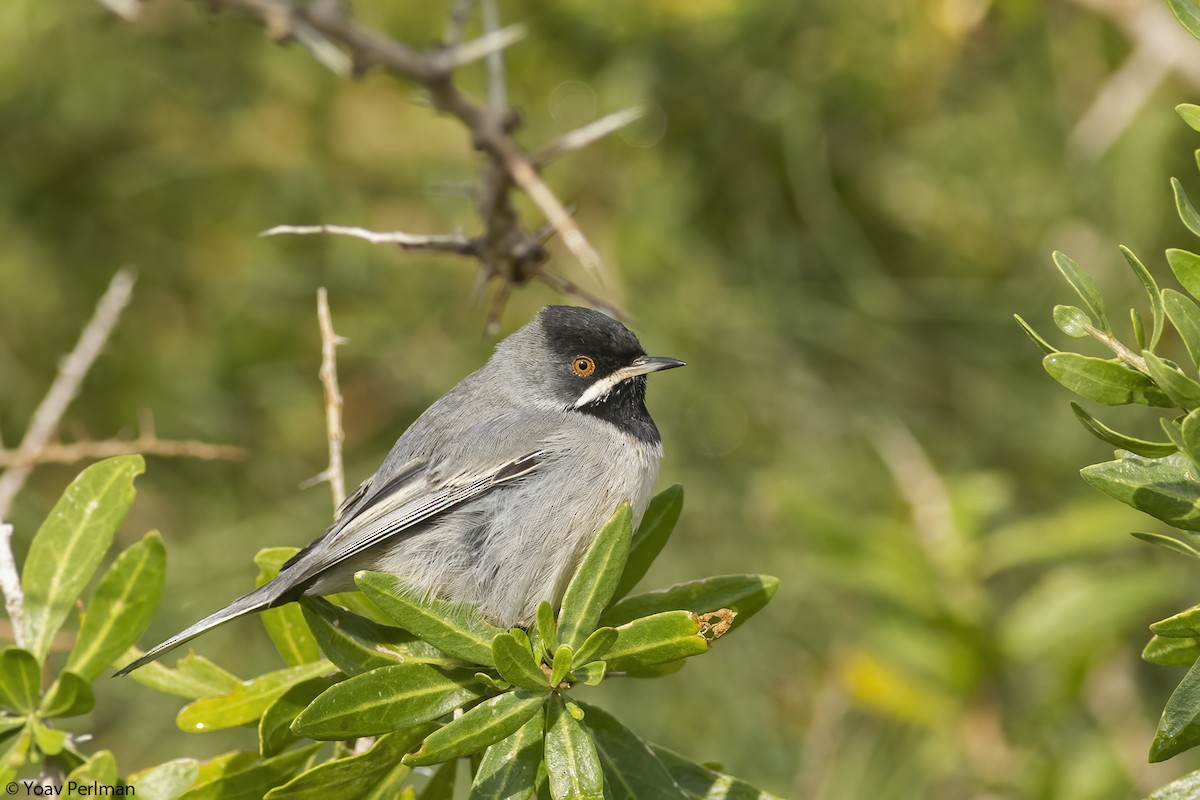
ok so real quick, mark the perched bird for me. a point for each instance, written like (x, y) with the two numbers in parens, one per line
(492, 495)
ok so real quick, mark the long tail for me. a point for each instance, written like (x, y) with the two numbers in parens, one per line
(263, 597)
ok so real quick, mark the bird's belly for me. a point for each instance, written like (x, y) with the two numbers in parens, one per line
(518, 545)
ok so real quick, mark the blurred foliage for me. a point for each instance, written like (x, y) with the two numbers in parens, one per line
(830, 213)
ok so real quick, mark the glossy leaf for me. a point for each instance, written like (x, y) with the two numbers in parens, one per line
(595, 646)
(71, 543)
(101, 768)
(457, 630)
(485, 724)
(353, 775)
(509, 767)
(658, 639)
(1186, 266)
(1169, 542)
(166, 781)
(275, 726)
(285, 624)
(50, 741)
(1172, 651)
(386, 699)
(1085, 287)
(1139, 328)
(1184, 624)
(1188, 112)
(254, 781)
(701, 782)
(1073, 321)
(247, 702)
(357, 644)
(515, 663)
(1189, 436)
(192, 676)
(1183, 205)
(441, 785)
(69, 696)
(1153, 295)
(1187, 787)
(547, 630)
(1046, 347)
(392, 786)
(1179, 726)
(121, 607)
(20, 680)
(1101, 431)
(590, 674)
(658, 523)
(1185, 316)
(1182, 390)
(225, 764)
(745, 594)
(595, 579)
(1104, 381)
(1161, 487)
(631, 769)
(571, 761)
(563, 657)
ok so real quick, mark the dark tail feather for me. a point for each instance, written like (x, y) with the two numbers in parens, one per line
(262, 597)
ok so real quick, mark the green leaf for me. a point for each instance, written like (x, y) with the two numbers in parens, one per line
(1139, 328)
(701, 782)
(1172, 651)
(441, 785)
(510, 766)
(193, 676)
(745, 594)
(50, 741)
(459, 630)
(69, 696)
(353, 775)
(1188, 112)
(631, 769)
(1185, 316)
(285, 624)
(1073, 321)
(253, 782)
(1104, 381)
(1183, 391)
(485, 724)
(658, 523)
(1179, 726)
(166, 781)
(658, 639)
(1085, 287)
(595, 579)
(1185, 624)
(1161, 487)
(100, 768)
(392, 785)
(563, 657)
(1187, 212)
(9, 724)
(71, 543)
(356, 644)
(20, 681)
(1101, 431)
(1189, 436)
(547, 631)
(386, 699)
(275, 726)
(121, 607)
(515, 663)
(596, 645)
(571, 760)
(1186, 266)
(1168, 542)
(247, 702)
(1186, 788)
(1152, 294)
(1048, 348)
(589, 674)
(223, 765)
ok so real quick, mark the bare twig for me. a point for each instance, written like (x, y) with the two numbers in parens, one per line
(497, 90)
(66, 385)
(146, 444)
(333, 400)
(10, 584)
(583, 136)
(444, 243)
(457, 22)
(490, 46)
(45, 420)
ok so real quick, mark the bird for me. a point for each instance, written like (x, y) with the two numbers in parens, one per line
(492, 495)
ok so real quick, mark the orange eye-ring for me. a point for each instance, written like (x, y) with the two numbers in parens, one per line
(583, 366)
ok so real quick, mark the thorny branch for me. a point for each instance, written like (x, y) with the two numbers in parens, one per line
(507, 250)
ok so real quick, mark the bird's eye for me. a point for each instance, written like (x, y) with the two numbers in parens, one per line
(583, 366)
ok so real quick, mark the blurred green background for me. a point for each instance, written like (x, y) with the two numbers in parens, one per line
(831, 212)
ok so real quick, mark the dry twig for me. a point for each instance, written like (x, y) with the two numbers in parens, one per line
(335, 473)
(146, 444)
